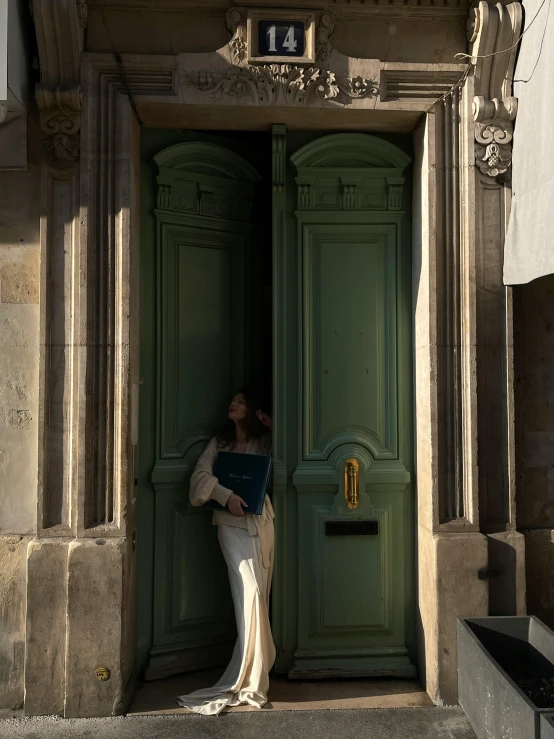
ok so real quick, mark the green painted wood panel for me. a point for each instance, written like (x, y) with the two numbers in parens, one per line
(203, 243)
(343, 277)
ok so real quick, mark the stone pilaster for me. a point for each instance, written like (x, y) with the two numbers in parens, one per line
(493, 32)
(80, 647)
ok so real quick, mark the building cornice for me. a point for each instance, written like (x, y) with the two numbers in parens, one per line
(341, 8)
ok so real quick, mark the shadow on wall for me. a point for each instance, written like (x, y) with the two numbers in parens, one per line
(502, 578)
(534, 437)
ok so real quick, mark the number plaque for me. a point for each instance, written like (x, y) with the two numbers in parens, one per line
(281, 35)
(281, 38)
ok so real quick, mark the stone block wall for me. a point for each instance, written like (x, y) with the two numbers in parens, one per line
(534, 405)
(19, 371)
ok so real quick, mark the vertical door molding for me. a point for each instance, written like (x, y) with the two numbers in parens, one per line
(455, 311)
(108, 326)
(60, 27)
(284, 576)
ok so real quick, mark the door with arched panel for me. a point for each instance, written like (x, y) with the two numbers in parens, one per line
(345, 393)
(203, 243)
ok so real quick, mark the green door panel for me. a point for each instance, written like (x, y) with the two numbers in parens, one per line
(204, 202)
(349, 327)
(344, 278)
(342, 605)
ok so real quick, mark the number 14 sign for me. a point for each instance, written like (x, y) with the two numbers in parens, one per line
(281, 38)
(281, 35)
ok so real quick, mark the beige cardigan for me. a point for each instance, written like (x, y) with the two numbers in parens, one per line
(203, 486)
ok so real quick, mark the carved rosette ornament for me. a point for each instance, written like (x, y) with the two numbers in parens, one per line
(493, 29)
(271, 84)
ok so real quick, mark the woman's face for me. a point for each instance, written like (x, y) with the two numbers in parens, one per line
(238, 410)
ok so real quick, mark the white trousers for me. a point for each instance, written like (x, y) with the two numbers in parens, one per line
(246, 679)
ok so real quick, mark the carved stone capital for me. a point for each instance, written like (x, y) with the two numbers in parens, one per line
(493, 29)
(60, 27)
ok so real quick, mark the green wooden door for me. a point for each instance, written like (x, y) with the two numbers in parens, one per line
(342, 321)
(203, 234)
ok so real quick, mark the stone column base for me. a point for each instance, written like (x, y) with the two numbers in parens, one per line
(449, 587)
(79, 655)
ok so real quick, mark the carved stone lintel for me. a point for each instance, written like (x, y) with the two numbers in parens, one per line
(494, 29)
(324, 31)
(272, 84)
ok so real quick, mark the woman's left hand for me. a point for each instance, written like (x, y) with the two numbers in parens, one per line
(265, 419)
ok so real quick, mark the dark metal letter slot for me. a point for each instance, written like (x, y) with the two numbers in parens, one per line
(352, 528)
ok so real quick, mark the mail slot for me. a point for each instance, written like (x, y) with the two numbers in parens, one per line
(352, 528)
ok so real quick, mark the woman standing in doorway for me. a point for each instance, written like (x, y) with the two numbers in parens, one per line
(247, 544)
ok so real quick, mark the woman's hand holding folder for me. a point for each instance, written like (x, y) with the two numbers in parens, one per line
(235, 504)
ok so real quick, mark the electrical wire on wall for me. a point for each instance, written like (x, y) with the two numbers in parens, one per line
(460, 83)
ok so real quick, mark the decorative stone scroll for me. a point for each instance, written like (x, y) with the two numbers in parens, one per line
(325, 29)
(493, 29)
(272, 84)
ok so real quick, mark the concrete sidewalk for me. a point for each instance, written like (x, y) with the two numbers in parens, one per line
(403, 723)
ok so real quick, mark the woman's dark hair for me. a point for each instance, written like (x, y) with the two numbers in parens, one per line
(254, 428)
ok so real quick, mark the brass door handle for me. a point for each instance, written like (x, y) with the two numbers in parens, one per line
(352, 483)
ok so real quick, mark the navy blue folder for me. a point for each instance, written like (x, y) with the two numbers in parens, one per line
(247, 475)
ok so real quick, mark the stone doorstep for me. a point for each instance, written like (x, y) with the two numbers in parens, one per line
(157, 697)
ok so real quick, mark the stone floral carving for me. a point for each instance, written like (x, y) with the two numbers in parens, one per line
(271, 84)
(324, 30)
(60, 142)
(493, 150)
(238, 49)
(237, 44)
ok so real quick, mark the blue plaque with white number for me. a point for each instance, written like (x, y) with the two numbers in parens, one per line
(281, 38)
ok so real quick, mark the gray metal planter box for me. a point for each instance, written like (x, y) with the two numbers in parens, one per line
(493, 653)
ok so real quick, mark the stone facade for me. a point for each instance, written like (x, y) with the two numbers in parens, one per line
(19, 406)
(70, 380)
